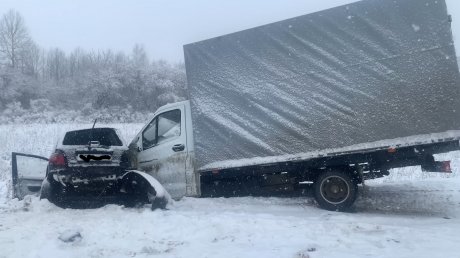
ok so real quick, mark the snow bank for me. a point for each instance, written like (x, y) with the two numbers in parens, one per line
(401, 224)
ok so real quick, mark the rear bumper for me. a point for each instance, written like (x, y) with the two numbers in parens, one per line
(70, 197)
(92, 181)
(88, 172)
(84, 188)
(93, 194)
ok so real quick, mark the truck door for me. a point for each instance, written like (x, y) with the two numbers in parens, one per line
(28, 172)
(163, 150)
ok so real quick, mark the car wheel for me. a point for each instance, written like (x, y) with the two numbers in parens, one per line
(52, 192)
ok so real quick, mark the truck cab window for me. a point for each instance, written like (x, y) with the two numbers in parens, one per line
(149, 135)
(165, 126)
(169, 125)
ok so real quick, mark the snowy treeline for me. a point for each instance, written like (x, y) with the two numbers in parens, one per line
(54, 86)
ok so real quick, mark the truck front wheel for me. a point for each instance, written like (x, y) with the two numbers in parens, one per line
(335, 191)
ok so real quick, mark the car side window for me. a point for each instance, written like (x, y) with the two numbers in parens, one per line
(149, 136)
(169, 125)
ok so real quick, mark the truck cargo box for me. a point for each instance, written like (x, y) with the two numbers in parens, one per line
(354, 75)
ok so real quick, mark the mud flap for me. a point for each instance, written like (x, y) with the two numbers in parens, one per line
(135, 182)
(430, 165)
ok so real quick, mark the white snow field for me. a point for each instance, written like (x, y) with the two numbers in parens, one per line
(408, 214)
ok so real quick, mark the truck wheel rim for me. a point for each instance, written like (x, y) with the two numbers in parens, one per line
(334, 189)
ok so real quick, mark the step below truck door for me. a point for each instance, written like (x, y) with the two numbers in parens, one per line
(28, 172)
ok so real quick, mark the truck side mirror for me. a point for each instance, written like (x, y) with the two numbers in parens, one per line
(135, 146)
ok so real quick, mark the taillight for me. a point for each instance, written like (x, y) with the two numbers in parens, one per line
(57, 160)
(446, 167)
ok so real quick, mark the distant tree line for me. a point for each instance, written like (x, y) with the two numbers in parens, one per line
(33, 79)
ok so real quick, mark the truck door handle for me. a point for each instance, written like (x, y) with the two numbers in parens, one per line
(178, 147)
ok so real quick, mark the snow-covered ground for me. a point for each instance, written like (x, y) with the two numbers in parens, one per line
(408, 214)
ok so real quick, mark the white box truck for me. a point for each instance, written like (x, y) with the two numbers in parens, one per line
(332, 98)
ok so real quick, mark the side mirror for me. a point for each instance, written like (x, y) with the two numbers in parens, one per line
(135, 145)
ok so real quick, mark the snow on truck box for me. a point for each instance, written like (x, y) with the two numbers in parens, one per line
(365, 72)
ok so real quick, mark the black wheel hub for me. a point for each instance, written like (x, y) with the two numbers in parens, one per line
(335, 189)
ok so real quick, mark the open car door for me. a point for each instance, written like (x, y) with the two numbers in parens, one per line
(28, 172)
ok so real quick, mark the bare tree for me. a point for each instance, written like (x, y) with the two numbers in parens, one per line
(139, 56)
(30, 60)
(57, 64)
(78, 62)
(14, 37)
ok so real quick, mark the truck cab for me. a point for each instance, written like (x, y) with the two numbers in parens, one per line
(164, 149)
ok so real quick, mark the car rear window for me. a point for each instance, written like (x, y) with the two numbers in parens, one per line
(104, 136)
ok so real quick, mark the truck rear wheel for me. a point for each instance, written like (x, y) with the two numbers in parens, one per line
(335, 191)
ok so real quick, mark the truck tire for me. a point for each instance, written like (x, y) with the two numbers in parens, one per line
(155, 201)
(335, 191)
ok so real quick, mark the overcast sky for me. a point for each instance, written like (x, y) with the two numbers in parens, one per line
(162, 26)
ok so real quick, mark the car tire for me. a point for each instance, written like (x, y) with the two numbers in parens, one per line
(45, 190)
(51, 192)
